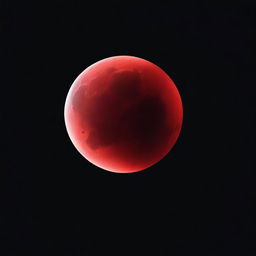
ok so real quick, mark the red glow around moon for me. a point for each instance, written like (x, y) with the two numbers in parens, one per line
(123, 114)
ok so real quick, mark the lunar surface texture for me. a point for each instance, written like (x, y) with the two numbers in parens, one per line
(123, 114)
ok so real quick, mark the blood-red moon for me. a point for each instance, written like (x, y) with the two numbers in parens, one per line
(123, 114)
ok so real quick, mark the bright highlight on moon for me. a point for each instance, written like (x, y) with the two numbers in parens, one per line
(123, 114)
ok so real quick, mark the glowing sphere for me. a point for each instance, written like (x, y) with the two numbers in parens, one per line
(123, 114)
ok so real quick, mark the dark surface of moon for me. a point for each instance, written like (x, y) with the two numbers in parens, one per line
(123, 114)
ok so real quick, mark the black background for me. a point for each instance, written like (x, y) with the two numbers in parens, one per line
(199, 198)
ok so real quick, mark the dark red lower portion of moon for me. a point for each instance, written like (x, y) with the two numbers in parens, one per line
(123, 114)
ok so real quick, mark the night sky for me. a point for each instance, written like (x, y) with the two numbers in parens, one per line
(200, 198)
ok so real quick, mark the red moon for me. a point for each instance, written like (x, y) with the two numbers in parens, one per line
(123, 114)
